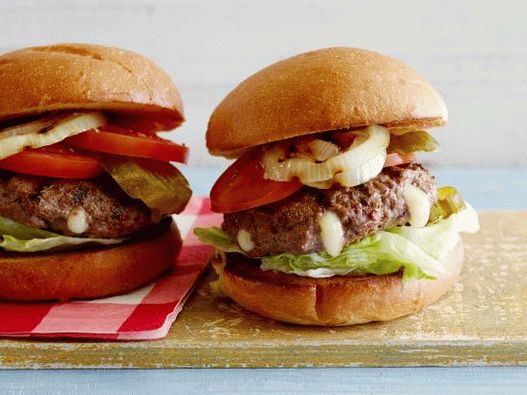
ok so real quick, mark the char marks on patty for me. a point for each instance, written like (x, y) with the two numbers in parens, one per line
(291, 225)
(46, 203)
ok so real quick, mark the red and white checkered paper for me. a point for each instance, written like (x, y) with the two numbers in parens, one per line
(144, 314)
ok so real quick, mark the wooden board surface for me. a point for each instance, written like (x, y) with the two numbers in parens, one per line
(482, 321)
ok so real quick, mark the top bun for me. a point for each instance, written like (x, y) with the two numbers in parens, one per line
(84, 76)
(327, 89)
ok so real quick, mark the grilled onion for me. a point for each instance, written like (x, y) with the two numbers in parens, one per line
(361, 162)
(46, 131)
(317, 149)
(359, 175)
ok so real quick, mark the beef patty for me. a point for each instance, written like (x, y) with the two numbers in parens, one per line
(46, 203)
(291, 225)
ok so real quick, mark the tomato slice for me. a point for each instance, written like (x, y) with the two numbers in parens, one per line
(55, 160)
(121, 141)
(243, 186)
(395, 159)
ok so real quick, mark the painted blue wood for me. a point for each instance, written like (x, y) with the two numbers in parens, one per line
(512, 380)
(485, 188)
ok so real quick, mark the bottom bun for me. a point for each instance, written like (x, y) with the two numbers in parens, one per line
(89, 273)
(333, 301)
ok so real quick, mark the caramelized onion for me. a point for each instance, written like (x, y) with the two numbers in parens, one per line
(362, 161)
(47, 131)
(364, 173)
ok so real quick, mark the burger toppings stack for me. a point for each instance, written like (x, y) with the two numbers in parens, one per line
(86, 185)
(329, 219)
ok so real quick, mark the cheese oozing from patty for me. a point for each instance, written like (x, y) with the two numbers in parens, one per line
(78, 220)
(331, 233)
(418, 205)
(244, 240)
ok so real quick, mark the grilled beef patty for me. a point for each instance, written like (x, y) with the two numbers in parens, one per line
(291, 225)
(46, 203)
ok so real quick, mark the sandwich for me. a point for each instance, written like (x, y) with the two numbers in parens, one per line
(328, 218)
(87, 189)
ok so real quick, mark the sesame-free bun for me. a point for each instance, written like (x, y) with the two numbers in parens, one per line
(87, 77)
(327, 89)
(333, 301)
(88, 273)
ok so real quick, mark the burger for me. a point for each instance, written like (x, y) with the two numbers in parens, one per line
(87, 189)
(328, 217)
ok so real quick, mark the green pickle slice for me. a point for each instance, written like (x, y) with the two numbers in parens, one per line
(159, 185)
(413, 141)
(448, 202)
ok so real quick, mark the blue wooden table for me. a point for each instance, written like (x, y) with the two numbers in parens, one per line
(484, 188)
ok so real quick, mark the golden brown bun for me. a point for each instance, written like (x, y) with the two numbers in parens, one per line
(334, 301)
(85, 76)
(328, 89)
(87, 274)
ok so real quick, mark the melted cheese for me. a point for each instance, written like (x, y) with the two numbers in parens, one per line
(418, 205)
(331, 233)
(244, 240)
(78, 220)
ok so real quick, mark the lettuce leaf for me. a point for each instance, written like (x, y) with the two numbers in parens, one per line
(218, 238)
(418, 251)
(412, 141)
(21, 238)
(13, 228)
(11, 243)
(381, 253)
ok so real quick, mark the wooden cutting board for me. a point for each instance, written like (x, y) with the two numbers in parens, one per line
(482, 321)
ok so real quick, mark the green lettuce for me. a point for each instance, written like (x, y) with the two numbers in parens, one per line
(17, 230)
(419, 252)
(412, 141)
(20, 238)
(218, 238)
(381, 253)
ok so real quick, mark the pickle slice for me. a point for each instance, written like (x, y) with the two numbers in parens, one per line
(159, 185)
(413, 141)
(449, 202)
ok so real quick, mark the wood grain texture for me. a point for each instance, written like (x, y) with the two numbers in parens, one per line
(482, 321)
(474, 52)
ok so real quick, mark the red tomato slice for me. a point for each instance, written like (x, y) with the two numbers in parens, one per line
(53, 161)
(120, 141)
(243, 186)
(395, 159)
